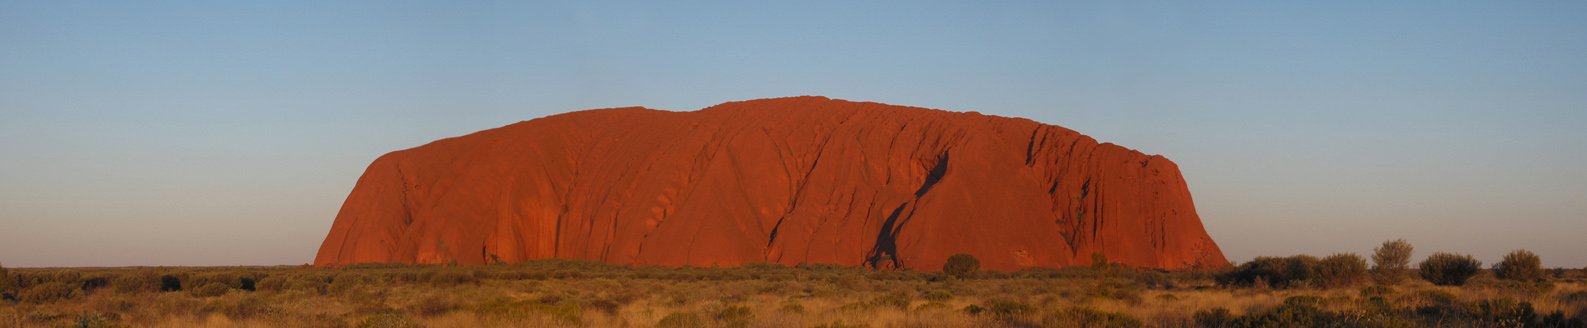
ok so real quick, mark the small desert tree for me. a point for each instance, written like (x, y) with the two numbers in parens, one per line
(1341, 270)
(5, 279)
(1519, 265)
(1099, 262)
(1445, 269)
(962, 266)
(1391, 261)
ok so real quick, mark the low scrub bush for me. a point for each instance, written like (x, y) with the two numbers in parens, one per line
(1376, 291)
(309, 285)
(95, 282)
(932, 306)
(241, 308)
(452, 278)
(434, 305)
(735, 316)
(565, 312)
(1287, 315)
(681, 320)
(170, 283)
(1445, 269)
(5, 279)
(792, 306)
(346, 282)
(389, 319)
(1083, 317)
(49, 293)
(1008, 308)
(899, 299)
(1341, 270)
(271, 284)
(213, 289)
(1579, 297)
(1502, 311)
(93, 320)
(1275, 272)
(1212, 318)
(228, 279)
(136, 282)
(1519, 265)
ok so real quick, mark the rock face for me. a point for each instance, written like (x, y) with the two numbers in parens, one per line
(788, 180)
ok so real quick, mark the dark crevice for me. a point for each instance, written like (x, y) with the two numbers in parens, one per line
(407, 211)
(886, 249)
(1085, 189)
(935, 175)
(773, 236)
(1030, 148)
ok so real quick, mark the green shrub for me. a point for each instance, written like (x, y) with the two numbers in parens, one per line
(681, 320)
(1287, 315)
(452, 278)
(170, 283)
(736, 316)
(1445, 269)
(1391, 262)
(1579, 297)
(49, 292)
(932, 306)
(242, 308)
(792, 306)
(5, 279)
(1429, 297)
(939, 296)
(962, 266)
(434, 305)
(1115, 289)
(346, 282)
(225, 278)
(1502, 310)
(566, 312)
(213, 289)
(95, 282)
(1276, 272)
(973, 309)
(1340, 270)
(92, 320)
(271, 284)
(1099, 262)
(1007, 308)
(1212, 318)
(839, 324)
(1519, 265)
(1081, 317)
(1376, 291)
(899, 299)
(70, 277)
(1527, 289)
(389, 319)
(310, 285)
(136, 282)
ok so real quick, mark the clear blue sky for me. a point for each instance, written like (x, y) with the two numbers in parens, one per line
(205, 133)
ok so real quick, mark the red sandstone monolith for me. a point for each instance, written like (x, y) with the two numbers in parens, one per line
(788, 180)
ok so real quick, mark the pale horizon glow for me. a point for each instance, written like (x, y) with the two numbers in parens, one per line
(203, 134)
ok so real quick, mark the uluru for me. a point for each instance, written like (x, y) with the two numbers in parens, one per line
(786, 180)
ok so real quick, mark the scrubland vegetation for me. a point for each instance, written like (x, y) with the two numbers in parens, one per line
(1340, 290)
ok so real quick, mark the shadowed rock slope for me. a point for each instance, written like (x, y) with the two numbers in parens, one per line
(788, 180)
